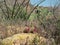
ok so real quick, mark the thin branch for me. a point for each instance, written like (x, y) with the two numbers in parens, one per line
(27, 4)
(6, 7)
(35, 8)
(3, 11)
(19, 8)
(14, 8)
(55, 8)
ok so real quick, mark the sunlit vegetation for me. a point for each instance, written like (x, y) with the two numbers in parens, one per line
(24, 24)
(28, 39)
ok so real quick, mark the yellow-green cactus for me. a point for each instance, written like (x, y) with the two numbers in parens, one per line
(24, 38)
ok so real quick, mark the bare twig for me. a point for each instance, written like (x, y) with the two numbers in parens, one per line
(3, 11)
(20, 11)
(14, 8)
(6, 7)
(19, 8)
(35, 8)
